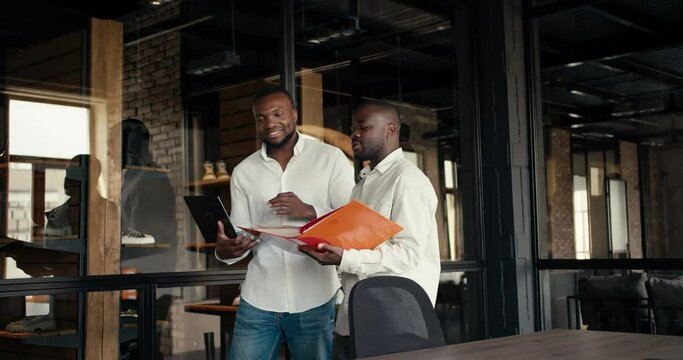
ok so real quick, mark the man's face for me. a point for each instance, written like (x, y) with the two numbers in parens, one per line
(275, 118)
(72, 187)
(369, 132)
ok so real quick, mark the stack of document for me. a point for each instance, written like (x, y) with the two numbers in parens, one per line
(352, 226)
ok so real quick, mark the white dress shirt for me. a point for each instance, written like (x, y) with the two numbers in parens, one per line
(321, 176)
(398, 190)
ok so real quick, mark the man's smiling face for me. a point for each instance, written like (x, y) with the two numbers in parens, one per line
(276, 119)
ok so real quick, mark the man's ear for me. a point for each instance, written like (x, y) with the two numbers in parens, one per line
(391, 129)
(295, 115)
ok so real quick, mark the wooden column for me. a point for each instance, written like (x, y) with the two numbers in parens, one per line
(104, 218)
(311, 99)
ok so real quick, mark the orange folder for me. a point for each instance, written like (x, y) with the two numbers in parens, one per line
(352, 226)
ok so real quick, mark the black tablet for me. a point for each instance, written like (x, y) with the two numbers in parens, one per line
(206, 211)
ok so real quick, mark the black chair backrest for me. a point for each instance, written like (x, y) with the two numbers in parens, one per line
(613, 302)
(666, 298)
(389, 314)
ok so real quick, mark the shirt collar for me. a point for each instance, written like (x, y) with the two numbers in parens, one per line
(383, 165)
(298, 147)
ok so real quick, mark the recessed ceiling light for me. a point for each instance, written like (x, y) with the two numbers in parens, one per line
(577, 92)
(574, 64)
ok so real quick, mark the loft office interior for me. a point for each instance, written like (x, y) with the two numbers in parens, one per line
(600, 132)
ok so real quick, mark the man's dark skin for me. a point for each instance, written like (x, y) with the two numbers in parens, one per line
(276, 120)
(374, 136)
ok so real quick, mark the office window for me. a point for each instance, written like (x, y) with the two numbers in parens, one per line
(48, 130)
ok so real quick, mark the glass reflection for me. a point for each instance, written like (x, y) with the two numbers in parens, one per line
(606, 120)
(458, 306)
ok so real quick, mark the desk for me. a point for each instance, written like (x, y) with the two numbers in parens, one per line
(227, 317)
(557, 344)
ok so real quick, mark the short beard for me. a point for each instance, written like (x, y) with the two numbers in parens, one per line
(362, 156)
(282, 143)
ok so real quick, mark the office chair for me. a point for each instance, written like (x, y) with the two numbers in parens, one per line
(666, 300)
(614, 302)
(389, 314)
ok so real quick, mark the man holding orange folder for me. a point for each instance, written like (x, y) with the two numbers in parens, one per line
(397, 189)
(288, 182)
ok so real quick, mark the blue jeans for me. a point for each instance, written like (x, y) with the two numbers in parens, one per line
(259, 334)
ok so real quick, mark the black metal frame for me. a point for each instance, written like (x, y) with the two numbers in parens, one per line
(145, 284)
(61, 285)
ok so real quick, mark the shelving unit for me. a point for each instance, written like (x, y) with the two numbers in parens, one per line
(202, 248)
(26, 335)
(209, 183)
(146, 246)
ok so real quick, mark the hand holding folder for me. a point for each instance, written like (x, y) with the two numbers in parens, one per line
(352, 226)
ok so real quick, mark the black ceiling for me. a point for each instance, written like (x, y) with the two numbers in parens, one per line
(613, 67)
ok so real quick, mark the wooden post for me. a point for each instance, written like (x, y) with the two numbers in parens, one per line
(104, 218)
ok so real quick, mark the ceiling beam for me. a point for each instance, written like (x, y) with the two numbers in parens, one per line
(626, 17)
(605, 95)
(608, 49)
(443, 8)
(647, 71)
(557, 7)
(169, 26)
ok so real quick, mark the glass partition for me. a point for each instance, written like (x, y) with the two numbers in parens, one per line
(610, 116)
(111, 112)
(403, 53)
(458, 306)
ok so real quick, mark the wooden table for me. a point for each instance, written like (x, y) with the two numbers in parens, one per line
(227, 315)
(557, 344)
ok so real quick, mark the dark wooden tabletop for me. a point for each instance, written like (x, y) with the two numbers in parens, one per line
(557, 344)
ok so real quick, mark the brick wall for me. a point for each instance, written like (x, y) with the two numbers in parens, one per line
(628, 161)
(152, 94)
(560, 195)
(671, 198)
(655, 217)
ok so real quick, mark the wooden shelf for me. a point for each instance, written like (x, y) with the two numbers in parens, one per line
(210, 308)
(147, 246)
(203, 247)
(146, 168)
(209, 183)
(135, 323)
(55, 247)
(38, 238)
(15, 335)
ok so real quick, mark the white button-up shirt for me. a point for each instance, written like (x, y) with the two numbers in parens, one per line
(321, 176)
(398, 190)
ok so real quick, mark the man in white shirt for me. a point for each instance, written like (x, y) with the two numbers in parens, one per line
(394, 187)
(290, 181)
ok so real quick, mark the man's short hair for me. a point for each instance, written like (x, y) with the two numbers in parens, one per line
(271, 91)
(383, 105)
